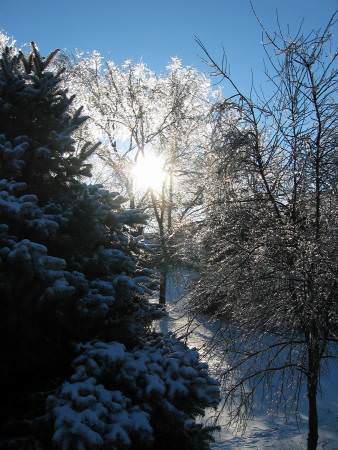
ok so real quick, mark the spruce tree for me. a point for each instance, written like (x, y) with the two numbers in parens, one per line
(81, 366)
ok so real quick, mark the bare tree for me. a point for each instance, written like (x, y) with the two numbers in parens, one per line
(270, 234)
(134, 111)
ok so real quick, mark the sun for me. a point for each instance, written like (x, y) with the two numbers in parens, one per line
(148, 172)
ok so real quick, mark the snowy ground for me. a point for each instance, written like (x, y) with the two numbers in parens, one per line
(264, 431)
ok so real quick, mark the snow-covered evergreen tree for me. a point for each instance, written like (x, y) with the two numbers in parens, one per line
(81, 368)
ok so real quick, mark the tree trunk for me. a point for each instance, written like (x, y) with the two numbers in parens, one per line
(312, 385)
(131, 194)
(313, 418)
(170, 201)
(163, 287)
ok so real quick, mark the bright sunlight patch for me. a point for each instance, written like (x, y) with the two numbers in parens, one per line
(149, 172)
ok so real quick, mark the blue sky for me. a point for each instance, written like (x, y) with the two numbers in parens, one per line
(156, 30)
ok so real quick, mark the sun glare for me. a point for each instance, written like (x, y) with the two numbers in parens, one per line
(148, 172)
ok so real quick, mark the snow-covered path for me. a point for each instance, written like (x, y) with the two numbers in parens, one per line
(264, 431)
